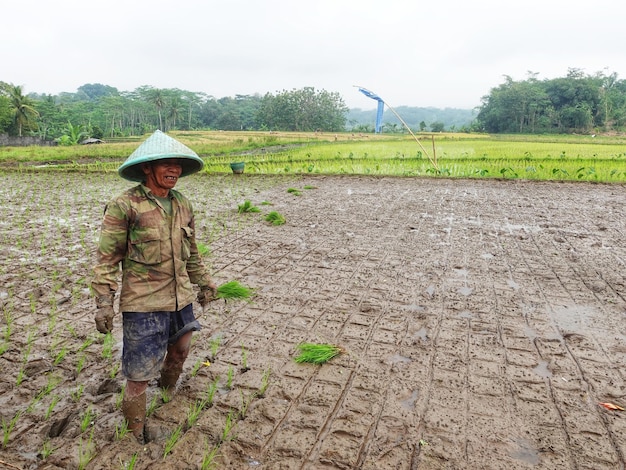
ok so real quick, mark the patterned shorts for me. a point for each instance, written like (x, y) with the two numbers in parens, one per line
(146, 337)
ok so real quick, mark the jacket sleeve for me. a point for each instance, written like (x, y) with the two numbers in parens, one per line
(111, 249)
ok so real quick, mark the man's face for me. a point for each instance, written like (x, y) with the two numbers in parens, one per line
(162, 175)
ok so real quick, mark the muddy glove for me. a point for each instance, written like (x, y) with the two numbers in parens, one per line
(104, 314)
(207, 294)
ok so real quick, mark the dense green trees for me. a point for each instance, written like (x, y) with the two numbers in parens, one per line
(5, 112)
(575, 103)
(303, 110)
(102, 111)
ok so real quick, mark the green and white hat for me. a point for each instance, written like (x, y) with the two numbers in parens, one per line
(159, 146)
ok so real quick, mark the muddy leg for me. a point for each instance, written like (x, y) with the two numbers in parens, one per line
(173, 365)
(134, 408)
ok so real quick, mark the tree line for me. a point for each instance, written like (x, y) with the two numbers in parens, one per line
(101, 111)
(576, 103)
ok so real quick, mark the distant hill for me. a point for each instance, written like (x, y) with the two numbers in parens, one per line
(451, 118)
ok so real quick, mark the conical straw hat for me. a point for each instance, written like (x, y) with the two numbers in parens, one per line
(158, 147)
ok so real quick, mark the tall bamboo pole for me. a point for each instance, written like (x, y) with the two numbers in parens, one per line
(433, 159)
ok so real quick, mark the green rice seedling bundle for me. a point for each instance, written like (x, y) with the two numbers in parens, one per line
(317, 353)
(275, 218)
(203, 249)
(234, 290)
(247, 206)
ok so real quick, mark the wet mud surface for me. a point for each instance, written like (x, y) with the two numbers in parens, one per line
(483, 323)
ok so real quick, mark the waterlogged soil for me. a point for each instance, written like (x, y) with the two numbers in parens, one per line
(482, 322)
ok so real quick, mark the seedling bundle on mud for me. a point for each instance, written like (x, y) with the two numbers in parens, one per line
(247, 207)
(317, 353)
(275, 218)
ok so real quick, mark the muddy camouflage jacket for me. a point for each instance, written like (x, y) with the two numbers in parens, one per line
(158, 253)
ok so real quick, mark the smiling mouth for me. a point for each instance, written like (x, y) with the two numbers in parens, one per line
(171, 178)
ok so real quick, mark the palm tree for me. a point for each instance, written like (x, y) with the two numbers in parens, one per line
(25, 114)
(175, 109)
(157, 98)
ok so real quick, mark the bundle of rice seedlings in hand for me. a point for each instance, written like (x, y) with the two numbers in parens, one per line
(203, 250)
(317, 353)
(234, 290)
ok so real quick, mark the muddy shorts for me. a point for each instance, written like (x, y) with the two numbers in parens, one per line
(146, 337)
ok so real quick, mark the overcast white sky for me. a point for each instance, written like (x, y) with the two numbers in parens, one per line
(411, 52)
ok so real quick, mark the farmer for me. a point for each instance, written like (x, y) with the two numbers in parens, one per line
(149, 229)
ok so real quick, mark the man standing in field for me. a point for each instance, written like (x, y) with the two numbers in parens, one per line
(150, 230)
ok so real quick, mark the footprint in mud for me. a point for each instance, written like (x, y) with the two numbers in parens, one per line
(59, 425)
(109, 386)
(37, 367)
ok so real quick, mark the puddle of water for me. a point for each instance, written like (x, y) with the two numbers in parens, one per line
(487, 256)
(409, 403)
(415, 308)
(466, 314)
(512, 228)
(422, 334)
(528, 331)
(525, 452)
(513, 284)
(465, 291)
(430, 290)
(268, 287)
(252, 462)
(573, 317)
(461, 272)
(398, 359)
(542, 370)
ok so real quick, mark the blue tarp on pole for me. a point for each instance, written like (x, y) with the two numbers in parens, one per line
(379, 116)
(379, 111)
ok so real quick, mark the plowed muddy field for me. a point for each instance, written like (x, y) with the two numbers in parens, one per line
(483, 324)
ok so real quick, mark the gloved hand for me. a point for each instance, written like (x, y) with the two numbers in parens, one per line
(104, 319)
(207, 294)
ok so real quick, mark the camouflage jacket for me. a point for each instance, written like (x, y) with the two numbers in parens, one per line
(158, 253)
